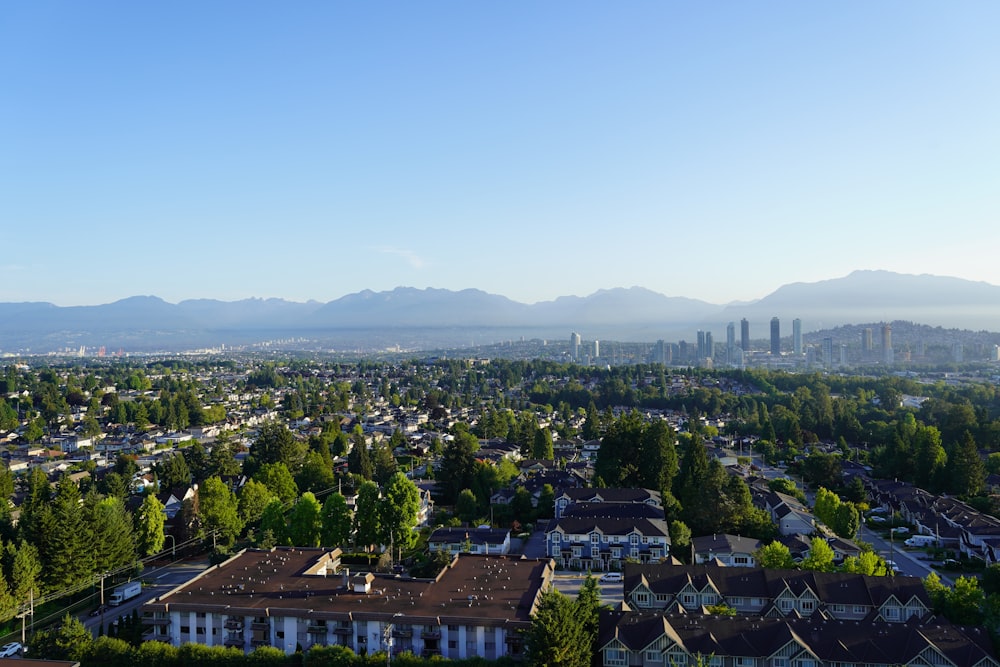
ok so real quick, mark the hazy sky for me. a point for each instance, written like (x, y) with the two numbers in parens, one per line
(307, 150)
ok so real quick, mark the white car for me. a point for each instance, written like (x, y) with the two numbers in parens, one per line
(612, 578)
(10, 649)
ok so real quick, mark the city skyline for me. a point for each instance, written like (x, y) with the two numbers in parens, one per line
(232, 151)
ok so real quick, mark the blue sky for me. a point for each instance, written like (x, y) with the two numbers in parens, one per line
(310, 150)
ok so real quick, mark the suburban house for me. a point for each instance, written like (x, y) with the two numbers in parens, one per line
(785, 593)
(570, 496)
(731, 550)
(604, 543)
(656, 639)
(289, 597)
(951, 522)
(494, 541)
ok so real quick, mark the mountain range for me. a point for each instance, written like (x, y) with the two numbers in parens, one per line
(637, 314)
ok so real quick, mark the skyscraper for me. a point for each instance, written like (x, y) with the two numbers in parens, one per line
(701, 345)
(574, 343)
(744, 335)
(709, 345)
(775, 336)
(828, 352)
(867, 344)
(730, 343)
(797, 336)
(887, 357)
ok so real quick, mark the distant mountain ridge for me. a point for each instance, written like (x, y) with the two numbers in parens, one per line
(632, 313)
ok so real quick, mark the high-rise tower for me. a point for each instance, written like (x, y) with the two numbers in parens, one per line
(797, 336)
(744, 335)
(775, 336)
(887, 356)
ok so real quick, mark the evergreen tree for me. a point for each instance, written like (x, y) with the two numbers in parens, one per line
(967, 471)
(542, 446)
(113, 535)
(359, 461)
(557, 636)
(67, 555)
(458, 464)
(275, 444)
(25, 571)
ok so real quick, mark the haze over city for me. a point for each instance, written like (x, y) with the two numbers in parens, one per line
(236, 150)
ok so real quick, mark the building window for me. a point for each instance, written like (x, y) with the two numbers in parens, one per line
(653, 656)
(615, 656)
(452, 628)
(808, 605)
(595, 552)
(633, 538)
(452, 643)
(687, 599)
(555, 537)
(595, 538)
(891, 614)
(786, 605)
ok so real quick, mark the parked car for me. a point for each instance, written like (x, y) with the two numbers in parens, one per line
(10, 649)
(612, 578)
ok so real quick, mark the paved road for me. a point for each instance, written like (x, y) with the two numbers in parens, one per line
(568, 583)
(157, 581)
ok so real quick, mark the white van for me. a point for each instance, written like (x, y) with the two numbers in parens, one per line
(920, 541)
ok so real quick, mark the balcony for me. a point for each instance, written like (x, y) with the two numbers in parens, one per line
(317, 628)
(259, 625)
(402, 632)
(233, 624)
(234, 641)
(156, 621)
(257, 643)
(430, 634)
(342, 630)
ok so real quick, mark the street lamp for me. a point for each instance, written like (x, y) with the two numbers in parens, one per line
(387, 637)
(173, 545)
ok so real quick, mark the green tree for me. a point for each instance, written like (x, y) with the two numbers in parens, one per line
(966, 468)
(253, 498)
(588, 610)
(305, 521)
(399, 509)
(820, 558)
(219, 510)
(149, 524)
(557, 637)
(278, 479)
(67, 553)
(275, 444)
(680, 540)
(272, 522)
(458, 464)
(467, 507)
(542, 446)
(316, 474)
(25, 571)
(367, 524)
(774, 556)
(867, 562)
(70, 641)
(173, 471)
(359, 460)
(846, 521)
(113, 535)
(337, 521)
